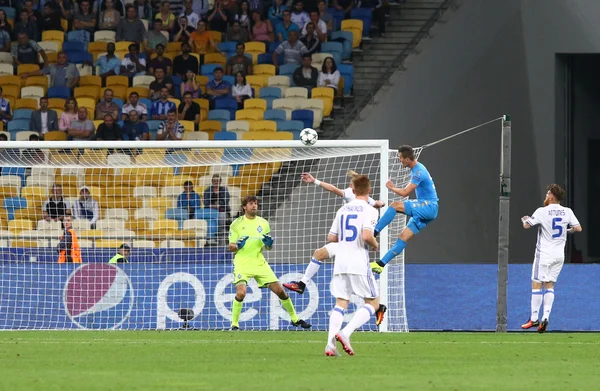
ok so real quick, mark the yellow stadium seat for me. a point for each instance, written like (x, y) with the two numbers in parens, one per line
(264, 126)
(12, 90)
(64, 23)
(268, 136)
(12, 80)
(117, 80)
(192, 171)
(55, 35)
(216, 36)
(26, 103)
(258, 104)
(165, 225)
(255, 47)
(257, 81)
(355, 26)
(173, 47)
(249, 115)
(18, 225)
(26, 68)
(39, 81)
(87, 102)
(143, 92)
(204, 107)
(106, 243)
(87, 92)
(35, 192)
(90, 80)
(97, 46)
(55, 135)
(264, 69)
(327, 95)
(188, 125)
(207, 126)
(23, 243)
(91, 234)
(122, 45)
(137, 225)
(29, 213)
(176, 101)
(215, 58)
(55, 103)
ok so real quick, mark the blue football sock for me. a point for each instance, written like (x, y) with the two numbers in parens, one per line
(396, 249)
(386, 219)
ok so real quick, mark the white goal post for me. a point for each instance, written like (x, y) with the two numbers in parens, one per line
(129, 192)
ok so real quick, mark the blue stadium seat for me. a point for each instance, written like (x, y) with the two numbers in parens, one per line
(147, 102)
(227, 47)
(78, 36)
(211, 216)
(117, 101)
(22, 114)
(153, 125)
(224, 135)
(287, 70)
(364, 14)
(176, 160)
(290, 126)
(305, 116)
(59, 92)
(267, 58)
(177, 214)
(273, 45)
(274, 115)
(347, 72)
(18, 171)
(335, 48)
(11, 13)
(337, 16)
(346, 38)
(229, 104)
(219, 115)
(270, 94)
(79, 57)
(177, 86)
(70, 46)
(12, 204)
(18, 124)
(208, 69)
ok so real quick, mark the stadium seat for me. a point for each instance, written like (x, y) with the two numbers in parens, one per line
(268, 135)
(306, 116)
(177, 215)
(5, 58)
(249, 115)
(347, 72)
(59, 92)
(347, 38)
(319, 58)
(140, 243)
(224, 136)
(288, 105)
(54, 35)
(12, 204)
(191, 135)
(87, 91)
(215, 58)
(264, 69)
(90, 80)
(116, 214)
(55, 135)
(208, 69)
(290, 126)
(117, 80)
(264, 126)
(110, 224)
(26, 68)
(335, 48)
(11, 80)
(211, 125)
(366, 16)
(238, 125)
(70, 46)
(316, 105)
(255, 104)
(227, 47)
(355, 26)
(17, 125)
(22, 114)
(283, 82)
(327, 95)
(296, 92)
(275, 115)
(172, 243)
(24, 135)
(287, 70)
(229, 104)
(105, 36)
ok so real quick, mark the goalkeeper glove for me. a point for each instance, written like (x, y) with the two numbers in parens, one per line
(376, 268)
(268, 240)
(241, 242)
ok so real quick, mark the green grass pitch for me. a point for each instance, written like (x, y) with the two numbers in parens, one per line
(195, 360)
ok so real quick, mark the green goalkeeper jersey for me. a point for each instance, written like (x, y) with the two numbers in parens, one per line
(251, 254)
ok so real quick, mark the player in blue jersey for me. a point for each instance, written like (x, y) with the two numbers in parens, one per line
(422, 210)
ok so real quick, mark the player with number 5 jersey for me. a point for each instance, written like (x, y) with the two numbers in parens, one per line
(554, 221)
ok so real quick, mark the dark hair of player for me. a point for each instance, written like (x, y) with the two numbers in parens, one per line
(406, 151)
(557, 192)
(361, 185)
(249, 198)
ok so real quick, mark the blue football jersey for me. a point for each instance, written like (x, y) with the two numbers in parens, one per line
(425, 190)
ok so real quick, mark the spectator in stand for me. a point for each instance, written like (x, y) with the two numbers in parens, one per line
(26, 50)
(240, 62)
(235, 33)
(109, 64)
(68, 115)
(162, 106)
(184, 62)
(189, 110)
(217, 88)
(51, 18)
(241, 90)
(170, 128)
(161, 81)
(4, 24)
(299, 16)
(185, 30)
(189, 199)
(329, 75)
(306, 76)
(201, 8)
(283, 29)
(160, 62)
(176, 6)
(325, 16)
(276, 12)
(166, 17)
(85, 19)
(201, 41)
(217, 197)
(43, 120)
(310, 41)
(231, 6)
(56, 207)
(110, 17)
(143, 9)
(62, 74)
(81, 129)
(25, 25)
(376, 6)
(131, 28)
(107, 106)
(155, 37)
(134, 104)
(109, 130)
(243, 15)
(64, 8)
(86, 207)
(33, 155)
(190, 84)
(134, 129)
(68, 247)
(345, 6)
(102, 5)
(319, 27)
(220, 15)
(188, 12)
(34, 15)
(133, 65)
(4, 41)
(292, 50)
(5, 113)
(261, 29)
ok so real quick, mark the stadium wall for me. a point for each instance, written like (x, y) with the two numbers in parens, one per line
(486, 59)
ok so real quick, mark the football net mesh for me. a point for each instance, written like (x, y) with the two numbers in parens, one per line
(179, 272)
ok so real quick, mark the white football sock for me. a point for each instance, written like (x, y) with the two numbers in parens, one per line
(361, 317)
(548, 301)
(536, 303)
(311, 270)
(335, 324)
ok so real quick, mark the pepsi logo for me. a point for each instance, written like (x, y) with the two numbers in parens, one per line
(98, 296)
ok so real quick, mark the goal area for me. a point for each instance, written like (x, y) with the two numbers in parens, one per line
(171, 203)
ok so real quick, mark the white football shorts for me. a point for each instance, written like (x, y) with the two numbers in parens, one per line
(546, 269)
(344, 285)
(331, 249)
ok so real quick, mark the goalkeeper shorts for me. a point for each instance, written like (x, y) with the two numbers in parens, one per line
(263, 275)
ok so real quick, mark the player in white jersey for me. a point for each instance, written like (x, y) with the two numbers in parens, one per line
(352, 229)
(554, 221)
(329, 250)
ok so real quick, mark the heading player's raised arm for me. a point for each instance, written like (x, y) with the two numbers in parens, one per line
(401, 192)
(308, 178)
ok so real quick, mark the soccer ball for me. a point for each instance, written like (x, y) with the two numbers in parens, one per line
(309, 136)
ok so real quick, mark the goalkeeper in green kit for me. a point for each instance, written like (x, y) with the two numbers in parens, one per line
(248, 235)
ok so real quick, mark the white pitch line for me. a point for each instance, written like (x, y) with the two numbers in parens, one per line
(15, 341)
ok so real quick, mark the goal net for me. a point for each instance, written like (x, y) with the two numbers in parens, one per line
(70, 208)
